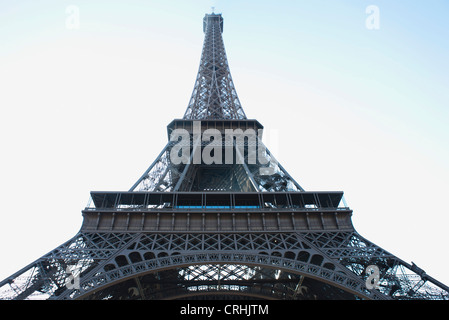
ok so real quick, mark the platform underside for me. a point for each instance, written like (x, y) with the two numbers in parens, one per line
(221, 281)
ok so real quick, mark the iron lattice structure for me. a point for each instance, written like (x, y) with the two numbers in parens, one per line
(233, 229)
(214, 95)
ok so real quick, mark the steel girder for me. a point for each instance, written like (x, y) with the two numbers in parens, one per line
(214, 95)
(321, 260)
(163, 175)
(336, 260)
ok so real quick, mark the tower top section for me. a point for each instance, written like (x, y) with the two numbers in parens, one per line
(214, 95)
(213, 18)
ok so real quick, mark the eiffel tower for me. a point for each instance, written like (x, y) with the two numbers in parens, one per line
(215, 216)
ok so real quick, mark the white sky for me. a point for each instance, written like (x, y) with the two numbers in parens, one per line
(352, 109)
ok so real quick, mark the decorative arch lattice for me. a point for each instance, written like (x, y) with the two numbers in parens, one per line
(237, 273)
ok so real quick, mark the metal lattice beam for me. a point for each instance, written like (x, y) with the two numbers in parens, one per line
(214, 95)
(244, 229)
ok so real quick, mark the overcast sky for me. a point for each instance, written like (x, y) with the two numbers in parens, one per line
(348, 103)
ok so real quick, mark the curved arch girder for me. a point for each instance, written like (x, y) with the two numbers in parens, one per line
(344, 281)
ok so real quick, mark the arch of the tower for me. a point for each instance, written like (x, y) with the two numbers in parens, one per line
(235, 275)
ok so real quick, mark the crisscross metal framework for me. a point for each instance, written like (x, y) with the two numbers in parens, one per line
(190, 230)
(289, 265)
(214, 95)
